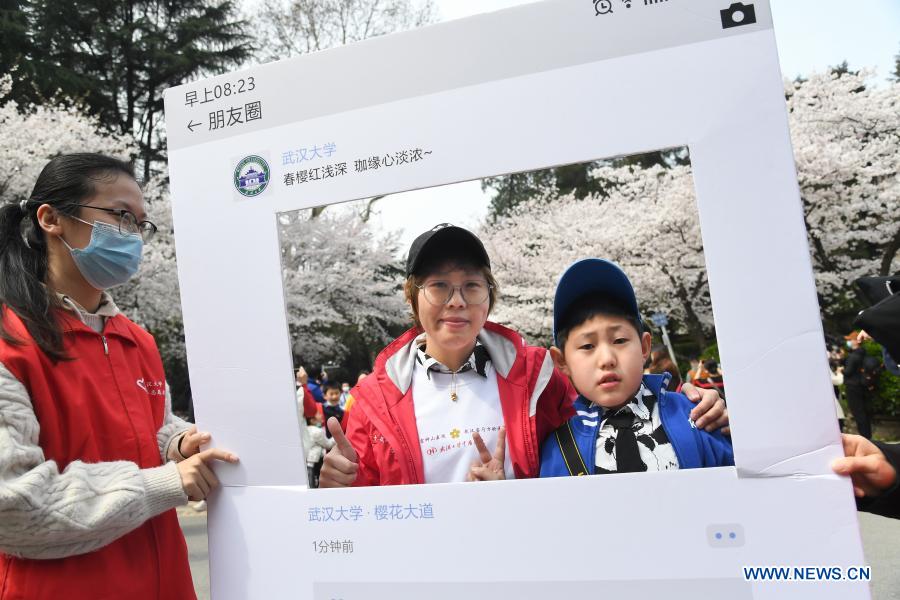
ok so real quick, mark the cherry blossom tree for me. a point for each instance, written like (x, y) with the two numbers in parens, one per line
(288, 28)
(846, 136)
(152, 298)
(342, 284)
(32, 135)
(342, 279)
(648, 224)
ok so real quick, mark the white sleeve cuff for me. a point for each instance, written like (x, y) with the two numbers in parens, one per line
(163, 489)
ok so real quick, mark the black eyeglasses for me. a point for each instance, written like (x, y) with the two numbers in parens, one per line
(128, 223)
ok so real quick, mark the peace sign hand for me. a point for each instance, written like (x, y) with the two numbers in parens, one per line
(489, 467)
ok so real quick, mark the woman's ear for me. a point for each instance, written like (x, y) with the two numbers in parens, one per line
(49, 220)
(559, 360)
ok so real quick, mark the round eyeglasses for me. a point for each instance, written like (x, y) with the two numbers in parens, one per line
(128, 223)
(439, 293)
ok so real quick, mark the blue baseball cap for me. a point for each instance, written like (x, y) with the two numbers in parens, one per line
(592, 276)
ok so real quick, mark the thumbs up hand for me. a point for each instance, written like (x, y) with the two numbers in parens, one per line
(341, 463)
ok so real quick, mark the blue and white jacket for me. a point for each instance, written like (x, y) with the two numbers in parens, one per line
(693, 447)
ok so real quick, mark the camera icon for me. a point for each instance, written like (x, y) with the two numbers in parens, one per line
(738, 14)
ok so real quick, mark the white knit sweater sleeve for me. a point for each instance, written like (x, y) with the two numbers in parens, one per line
(170, 433)
(45, 513)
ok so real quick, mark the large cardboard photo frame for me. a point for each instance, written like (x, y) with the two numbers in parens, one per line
(545, 84)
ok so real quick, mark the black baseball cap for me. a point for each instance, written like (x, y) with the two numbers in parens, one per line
(445, 240)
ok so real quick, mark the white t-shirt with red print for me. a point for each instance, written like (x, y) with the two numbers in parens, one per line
(446, 426)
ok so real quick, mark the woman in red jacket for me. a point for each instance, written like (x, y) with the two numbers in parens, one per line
(92, 461)
(455, 386)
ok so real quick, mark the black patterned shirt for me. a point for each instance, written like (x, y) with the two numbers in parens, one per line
(477, 361)
(655, 449)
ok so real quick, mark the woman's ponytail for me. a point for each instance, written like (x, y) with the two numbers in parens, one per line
(24, 267)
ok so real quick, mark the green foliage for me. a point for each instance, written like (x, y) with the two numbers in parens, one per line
(887, 394)
(843, 69)
(711, 351)
(14, 40)
(686, 348)
(115, 58)
(897, 68)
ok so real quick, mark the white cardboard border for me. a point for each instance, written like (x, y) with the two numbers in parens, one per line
(724, 99)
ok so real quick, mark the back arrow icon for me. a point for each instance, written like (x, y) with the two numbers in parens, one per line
(191, 125)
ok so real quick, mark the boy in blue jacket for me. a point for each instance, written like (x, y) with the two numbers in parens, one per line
(625, 421)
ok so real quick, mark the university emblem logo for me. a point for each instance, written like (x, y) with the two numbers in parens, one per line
(251, 176)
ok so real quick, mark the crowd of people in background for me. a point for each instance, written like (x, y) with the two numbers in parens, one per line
(704, 373)
(854, 375)
(318, 399)
(321, 397)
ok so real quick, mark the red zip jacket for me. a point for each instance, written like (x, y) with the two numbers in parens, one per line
(106, 405)
(535, 399)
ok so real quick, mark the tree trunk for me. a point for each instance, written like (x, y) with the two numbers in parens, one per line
(130, 67)
(367, 211)
(148, 150)
(889, 252)
(692, 321)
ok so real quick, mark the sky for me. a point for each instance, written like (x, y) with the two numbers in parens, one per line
(812, 35)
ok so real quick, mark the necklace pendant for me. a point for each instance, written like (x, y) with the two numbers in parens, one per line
(453, 396)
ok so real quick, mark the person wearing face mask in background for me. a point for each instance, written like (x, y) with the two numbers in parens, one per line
(92, 461)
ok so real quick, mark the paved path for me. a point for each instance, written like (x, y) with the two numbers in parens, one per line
(881, 541)
(194, 526)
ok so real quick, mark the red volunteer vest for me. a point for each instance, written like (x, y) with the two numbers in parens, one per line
(105, 405)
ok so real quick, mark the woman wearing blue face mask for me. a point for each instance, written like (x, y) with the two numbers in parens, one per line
(92, 462)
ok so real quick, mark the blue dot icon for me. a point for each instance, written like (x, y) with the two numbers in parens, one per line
(718, 536)
(732, 535)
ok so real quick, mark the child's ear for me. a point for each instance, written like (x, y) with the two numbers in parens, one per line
(559, 360)
(646, 341)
